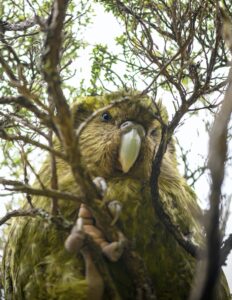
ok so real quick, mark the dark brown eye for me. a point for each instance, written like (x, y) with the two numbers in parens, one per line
(153, 132)
(106, 117)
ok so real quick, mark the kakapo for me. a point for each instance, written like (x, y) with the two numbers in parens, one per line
(36, 264)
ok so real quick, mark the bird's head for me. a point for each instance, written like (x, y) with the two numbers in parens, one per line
(121, 138)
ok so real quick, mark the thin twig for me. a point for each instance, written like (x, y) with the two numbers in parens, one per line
(18, 186)
(27, 140)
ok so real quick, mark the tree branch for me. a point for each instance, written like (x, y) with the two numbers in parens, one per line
(20, 26)
(51, 59)
(217, 156)
(18, 186)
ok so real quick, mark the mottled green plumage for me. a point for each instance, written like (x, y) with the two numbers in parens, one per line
(36, 264)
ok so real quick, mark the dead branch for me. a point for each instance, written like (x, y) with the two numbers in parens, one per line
(18, 213)
(58, 221)
(18, 186)
(20, 26)
(28, 104)
(20, 84)
(27, 140)
(225, 249)
(217, 156)
(191, 248)
(51, 59)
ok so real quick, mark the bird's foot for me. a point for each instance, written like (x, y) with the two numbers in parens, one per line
(75, 243)
(85, 225)
(114, 206)
(93, 277)
(113, 251)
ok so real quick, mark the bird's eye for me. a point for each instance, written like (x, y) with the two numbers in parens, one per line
(106, 116)
(153, 132)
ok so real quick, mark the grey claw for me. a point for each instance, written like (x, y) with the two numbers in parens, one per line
(115, 208)
(100, 184)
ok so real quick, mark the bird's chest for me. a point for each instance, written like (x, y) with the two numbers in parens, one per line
(137, 217)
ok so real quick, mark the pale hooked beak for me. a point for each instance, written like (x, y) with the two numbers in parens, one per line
(131, 140)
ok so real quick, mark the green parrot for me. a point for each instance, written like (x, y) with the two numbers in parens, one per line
(117, 145)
